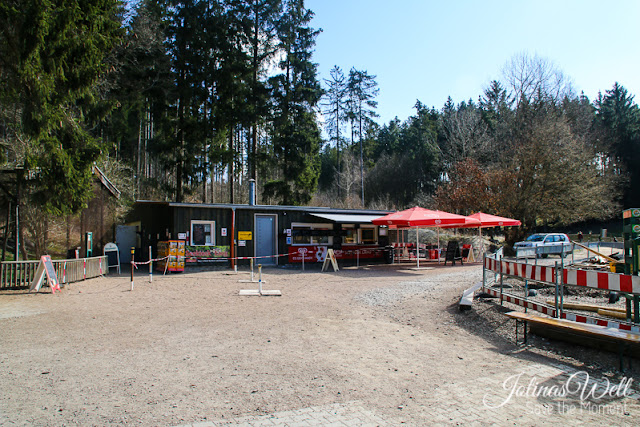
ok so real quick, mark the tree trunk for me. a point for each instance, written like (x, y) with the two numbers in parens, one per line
(231, 167)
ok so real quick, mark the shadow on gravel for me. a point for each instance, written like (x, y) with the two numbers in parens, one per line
(486, 320)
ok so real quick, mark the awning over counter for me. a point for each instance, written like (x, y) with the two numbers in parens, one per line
(347, 218)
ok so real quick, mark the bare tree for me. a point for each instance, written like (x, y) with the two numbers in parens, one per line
(534, 77)
(466, 133)
(555, 177)
(349, 179)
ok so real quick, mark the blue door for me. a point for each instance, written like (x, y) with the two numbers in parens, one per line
(265, 239)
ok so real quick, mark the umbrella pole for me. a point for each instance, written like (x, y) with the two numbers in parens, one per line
(438, 229)
(417, 248)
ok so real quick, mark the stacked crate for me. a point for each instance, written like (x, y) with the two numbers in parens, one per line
(175, 251)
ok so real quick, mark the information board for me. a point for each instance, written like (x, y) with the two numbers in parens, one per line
(245, 235)
(113, 256)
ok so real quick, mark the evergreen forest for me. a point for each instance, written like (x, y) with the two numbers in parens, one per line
(190, 100)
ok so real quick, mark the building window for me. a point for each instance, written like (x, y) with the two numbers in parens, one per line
(311, 234)
(203, 233)
(301, 235)
(351, 238)
(367, 235)
(321, 239)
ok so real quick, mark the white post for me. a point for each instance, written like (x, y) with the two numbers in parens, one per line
(417, 248)
(438, 230)
(260, 279)
(150, 266)
(251, 262)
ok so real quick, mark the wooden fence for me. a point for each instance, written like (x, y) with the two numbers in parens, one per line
(19, 274)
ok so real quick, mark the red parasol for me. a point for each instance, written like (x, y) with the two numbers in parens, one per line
(420, 217)
(487, 221)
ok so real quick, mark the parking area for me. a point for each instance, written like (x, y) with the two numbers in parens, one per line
(379, 345)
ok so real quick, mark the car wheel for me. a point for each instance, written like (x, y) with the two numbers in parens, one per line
(544, 255)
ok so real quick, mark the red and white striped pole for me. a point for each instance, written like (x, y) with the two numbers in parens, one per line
(132, 265)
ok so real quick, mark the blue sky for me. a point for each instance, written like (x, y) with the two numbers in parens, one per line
(429, 50)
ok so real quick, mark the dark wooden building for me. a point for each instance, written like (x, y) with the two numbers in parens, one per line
(24, 225)
(276, 234)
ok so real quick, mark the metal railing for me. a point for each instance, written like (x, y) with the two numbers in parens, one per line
(19, 274)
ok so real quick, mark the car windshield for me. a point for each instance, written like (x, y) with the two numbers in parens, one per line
(535, 238)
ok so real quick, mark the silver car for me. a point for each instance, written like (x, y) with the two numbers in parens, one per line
(541, 245)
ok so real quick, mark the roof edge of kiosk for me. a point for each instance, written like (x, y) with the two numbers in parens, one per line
(346, 217)
(311, 209)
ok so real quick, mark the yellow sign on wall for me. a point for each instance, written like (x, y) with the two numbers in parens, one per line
(245, 235)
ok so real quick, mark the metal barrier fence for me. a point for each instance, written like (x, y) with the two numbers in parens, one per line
(19, 274)
(559, 276)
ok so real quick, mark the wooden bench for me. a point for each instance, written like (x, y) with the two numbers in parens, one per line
(622, 339)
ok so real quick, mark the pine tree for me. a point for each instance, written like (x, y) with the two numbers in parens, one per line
(619, 117)
(335, 111)
(53, 54)
(296, 92)
(262, 19)
(140, 84)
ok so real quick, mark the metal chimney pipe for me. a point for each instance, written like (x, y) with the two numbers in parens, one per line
(252, 192)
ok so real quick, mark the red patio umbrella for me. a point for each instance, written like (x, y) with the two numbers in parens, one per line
(419, 217)
(488, 221)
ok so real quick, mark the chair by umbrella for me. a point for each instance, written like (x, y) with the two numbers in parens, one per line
(417, 217)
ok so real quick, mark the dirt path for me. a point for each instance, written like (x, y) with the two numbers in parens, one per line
(187, 349)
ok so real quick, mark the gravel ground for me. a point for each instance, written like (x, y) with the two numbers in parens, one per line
(186, 349)
(391, 295)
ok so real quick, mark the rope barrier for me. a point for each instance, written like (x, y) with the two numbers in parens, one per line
(239, 258)
(136, 264)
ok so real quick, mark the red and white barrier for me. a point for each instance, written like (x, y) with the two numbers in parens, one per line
(538, 273)
(601, 322)
(491, 264)
(523, 302)
(586, 278)
(602, 280)
(551, 311)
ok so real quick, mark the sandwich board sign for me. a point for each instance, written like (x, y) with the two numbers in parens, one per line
(330, 258)
(113, 256)
(45, 268)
